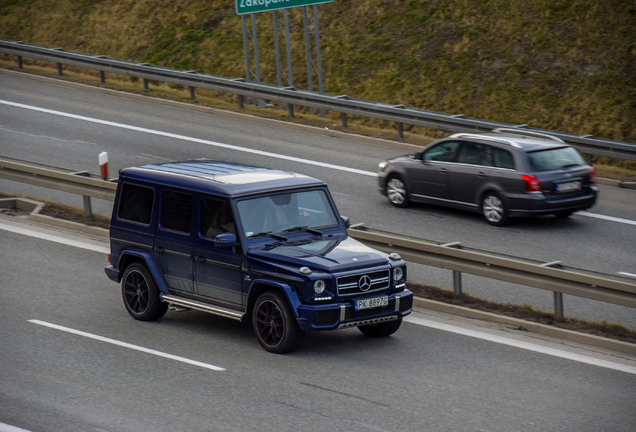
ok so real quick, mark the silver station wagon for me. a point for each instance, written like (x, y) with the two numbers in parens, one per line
(502, 174)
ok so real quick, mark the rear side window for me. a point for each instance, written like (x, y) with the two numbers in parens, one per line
(135, 203)
(176, 211)
(503, 159)
(475, 154)
(555, 159)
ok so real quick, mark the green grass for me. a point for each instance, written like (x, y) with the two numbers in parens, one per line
(567, 66)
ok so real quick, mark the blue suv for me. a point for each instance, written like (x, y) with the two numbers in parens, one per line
(248, 243)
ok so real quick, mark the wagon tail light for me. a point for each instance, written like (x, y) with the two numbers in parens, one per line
(592, 176)
(532, 183)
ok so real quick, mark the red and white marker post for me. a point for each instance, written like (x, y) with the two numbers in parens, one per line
(103, 165)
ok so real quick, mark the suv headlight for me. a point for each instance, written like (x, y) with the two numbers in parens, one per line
(398, 274)
(319, 286)
(382, 165)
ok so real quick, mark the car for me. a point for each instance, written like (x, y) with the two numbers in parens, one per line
(503, 174)
(251, 244)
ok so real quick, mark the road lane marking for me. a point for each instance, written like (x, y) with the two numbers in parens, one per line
(8, 428)
(520, 344)
(608, 218)
(627, 274)
(191, 139)
(53, 238)
(243, 149)
(127, 345)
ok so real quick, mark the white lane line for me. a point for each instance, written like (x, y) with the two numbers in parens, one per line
(127, 345)
(608, 218)
(523, 345)
(53, 238)
(8, 428)
(627, 274)
(241, 149)
(191, 139)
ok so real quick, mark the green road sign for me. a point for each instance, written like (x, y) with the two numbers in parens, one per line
(251, 6)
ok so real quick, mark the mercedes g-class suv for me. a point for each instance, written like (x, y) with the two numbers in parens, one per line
(248, 243)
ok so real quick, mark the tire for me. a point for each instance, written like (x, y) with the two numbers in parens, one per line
(141, 295)
(563, 214)
(274, 324)
(381, 330)
(397, 192)
(494, 209)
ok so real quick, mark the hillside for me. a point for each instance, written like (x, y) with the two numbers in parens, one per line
(562, 65)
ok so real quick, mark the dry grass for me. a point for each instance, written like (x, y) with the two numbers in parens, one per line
(568, 66)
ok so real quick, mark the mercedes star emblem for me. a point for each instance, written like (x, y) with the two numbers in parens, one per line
(364, 283)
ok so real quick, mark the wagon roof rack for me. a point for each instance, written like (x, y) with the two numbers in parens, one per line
(486, 137)
(527, 133)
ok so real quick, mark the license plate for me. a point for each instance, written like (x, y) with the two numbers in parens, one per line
(372, 303)
(567, 187)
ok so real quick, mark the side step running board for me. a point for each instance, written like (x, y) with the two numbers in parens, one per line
(204, 307)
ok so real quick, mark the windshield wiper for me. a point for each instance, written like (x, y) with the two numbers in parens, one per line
(304, 228)
(269, 233)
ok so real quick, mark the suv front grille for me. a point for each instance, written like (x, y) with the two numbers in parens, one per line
(364, 282)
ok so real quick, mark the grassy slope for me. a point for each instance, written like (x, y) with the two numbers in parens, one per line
(567, 65)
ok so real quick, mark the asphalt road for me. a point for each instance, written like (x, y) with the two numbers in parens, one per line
(72, 359)
(68, 127)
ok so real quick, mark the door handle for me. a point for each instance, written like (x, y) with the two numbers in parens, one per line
(159, 249)
(481, 174)
(443, 170)
(200, 258)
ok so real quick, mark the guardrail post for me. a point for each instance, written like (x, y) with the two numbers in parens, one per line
(241, 101)
(59, 69)
(558, 296)
(191, 92)
(290, 108)
(343, 116)
(457, 282)
(102, 77)
(400, 130)
(88, 208)
(19, 62)
(145, 83)
(558, 305)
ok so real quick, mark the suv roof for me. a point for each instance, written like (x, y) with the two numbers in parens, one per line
(521, 139)
(223, 178)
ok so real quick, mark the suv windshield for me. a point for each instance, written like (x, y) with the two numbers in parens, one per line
(286, 211)
(555, 159)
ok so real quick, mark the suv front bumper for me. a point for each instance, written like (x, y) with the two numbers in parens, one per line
(342, 314)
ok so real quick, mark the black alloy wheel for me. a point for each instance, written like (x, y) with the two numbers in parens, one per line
(141, 295)
(382, 329)
(274, 324)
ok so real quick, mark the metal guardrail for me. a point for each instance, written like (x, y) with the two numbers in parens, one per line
(551, 276)
(291, 96)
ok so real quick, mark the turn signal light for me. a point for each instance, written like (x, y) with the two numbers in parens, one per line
(532, 183)
(592, 175)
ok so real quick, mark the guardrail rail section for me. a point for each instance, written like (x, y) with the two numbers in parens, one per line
(343, 104)
(552, 276)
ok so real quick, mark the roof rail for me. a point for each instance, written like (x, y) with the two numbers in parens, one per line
(485, 137)
(533, 134)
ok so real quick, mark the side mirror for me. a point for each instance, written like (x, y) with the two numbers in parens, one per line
(225, 239)
(417, 156)
(346, 221)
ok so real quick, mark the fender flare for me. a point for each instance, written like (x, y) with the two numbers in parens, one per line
(150, 262)
(288, 291)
